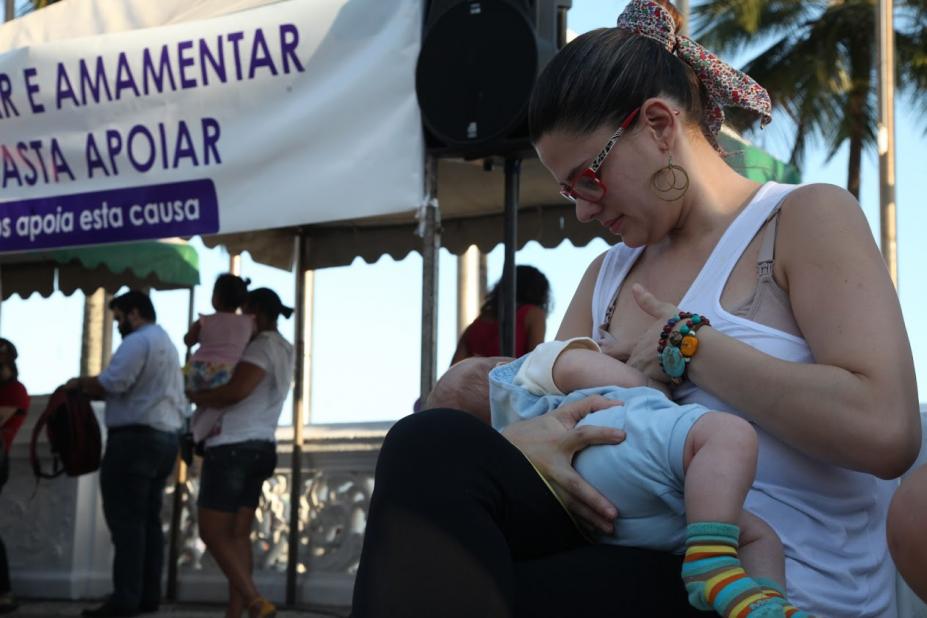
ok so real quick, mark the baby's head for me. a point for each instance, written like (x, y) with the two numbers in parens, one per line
(465, 386)
(229, 292)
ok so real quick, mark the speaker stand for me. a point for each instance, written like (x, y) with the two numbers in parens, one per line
(507, 321)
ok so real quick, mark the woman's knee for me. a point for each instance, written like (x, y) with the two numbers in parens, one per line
(434, 446)
(432, 431)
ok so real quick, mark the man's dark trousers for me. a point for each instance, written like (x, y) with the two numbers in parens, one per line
(133, 474)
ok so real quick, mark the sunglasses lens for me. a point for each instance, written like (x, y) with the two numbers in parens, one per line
(589, 188)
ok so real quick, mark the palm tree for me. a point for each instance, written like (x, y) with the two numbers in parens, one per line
(817, 60)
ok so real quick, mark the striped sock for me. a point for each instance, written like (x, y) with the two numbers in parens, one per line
(774, 591)
(716, 580)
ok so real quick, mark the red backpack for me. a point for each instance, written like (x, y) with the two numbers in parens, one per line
(73, 433)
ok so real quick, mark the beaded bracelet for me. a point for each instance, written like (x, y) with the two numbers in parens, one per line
(678, 346)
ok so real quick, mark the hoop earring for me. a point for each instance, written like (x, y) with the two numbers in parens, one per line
(672, 179)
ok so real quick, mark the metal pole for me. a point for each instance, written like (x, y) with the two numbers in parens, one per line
(484, 283)
(885, 33)
(299, 408)
(235, 264)
(431, 242)
(9, 10)
(308, 326)
(507, 323)
(106, 353)
(180, 489)
(468, 287)
(94, 331)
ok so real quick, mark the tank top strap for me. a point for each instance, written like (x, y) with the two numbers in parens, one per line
(767, 255)
(710, 282)
(615, 267)
(768, 248)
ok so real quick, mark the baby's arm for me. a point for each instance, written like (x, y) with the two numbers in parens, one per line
(193, 335)
(577, 368)
(561, 367)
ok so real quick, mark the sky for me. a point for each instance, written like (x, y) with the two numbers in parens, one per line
(367, 317)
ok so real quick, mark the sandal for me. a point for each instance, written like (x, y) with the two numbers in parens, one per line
(262, 608)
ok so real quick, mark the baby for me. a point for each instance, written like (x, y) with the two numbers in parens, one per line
(222, 337)
(680, 477)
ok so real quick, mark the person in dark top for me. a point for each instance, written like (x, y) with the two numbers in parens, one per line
(532, 302)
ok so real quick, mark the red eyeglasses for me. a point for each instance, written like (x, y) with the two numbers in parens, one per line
(587, 185)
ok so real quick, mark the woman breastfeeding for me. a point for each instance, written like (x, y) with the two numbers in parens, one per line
(804, 338)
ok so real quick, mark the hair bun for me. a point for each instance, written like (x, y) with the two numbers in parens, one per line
(246, 280)
(286, 311)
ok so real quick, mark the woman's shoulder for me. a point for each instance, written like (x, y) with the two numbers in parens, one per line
(818, 211)
(595, 266)
(818, 200)
(270, 339)
(607, 267)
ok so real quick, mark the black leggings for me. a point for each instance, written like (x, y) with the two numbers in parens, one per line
(460, 525)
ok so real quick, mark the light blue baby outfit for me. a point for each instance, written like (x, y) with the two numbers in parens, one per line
(643, 476)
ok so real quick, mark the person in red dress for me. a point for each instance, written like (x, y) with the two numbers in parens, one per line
(532, 302)
(14, 403)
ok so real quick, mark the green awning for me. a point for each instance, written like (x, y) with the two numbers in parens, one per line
(755, 163)
(159, 265)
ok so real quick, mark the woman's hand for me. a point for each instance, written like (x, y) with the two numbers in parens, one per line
(644, 356)
(551, 441)
(245, 379)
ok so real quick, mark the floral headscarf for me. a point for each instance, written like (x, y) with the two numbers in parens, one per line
(726, 86)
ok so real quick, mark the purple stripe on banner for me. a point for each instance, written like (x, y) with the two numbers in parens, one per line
(137, 213)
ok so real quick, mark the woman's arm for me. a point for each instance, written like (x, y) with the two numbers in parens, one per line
(536, 326)
(193, 335)
(244, 380)
(577, 321)
(856, 406)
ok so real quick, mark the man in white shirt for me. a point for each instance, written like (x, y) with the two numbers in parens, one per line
(143, 390)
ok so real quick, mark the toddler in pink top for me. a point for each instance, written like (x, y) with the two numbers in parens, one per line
(222, 337)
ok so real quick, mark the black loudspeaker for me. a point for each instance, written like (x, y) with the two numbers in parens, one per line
(477, 65)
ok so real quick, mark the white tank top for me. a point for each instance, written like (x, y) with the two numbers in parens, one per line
(831, 520)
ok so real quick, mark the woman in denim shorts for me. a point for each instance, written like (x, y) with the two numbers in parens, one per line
(242, 454)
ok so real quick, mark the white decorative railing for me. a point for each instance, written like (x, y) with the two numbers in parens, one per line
(58, 544)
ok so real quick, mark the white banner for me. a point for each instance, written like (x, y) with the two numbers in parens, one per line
(297, 112)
